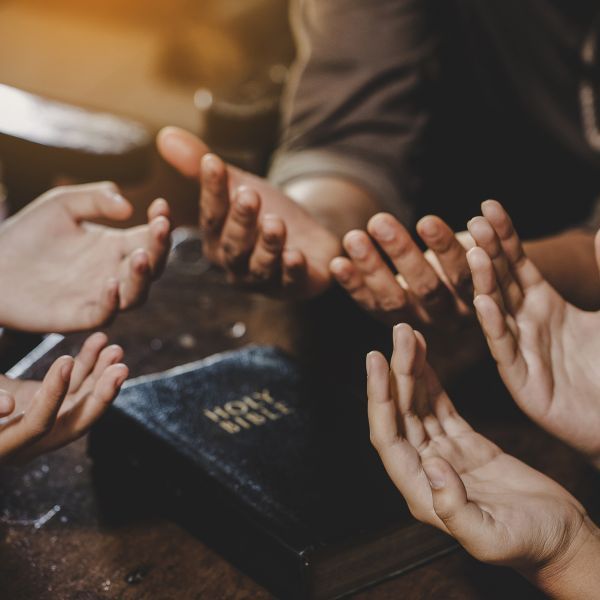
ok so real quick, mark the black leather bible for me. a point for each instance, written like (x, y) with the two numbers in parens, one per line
(268, 465)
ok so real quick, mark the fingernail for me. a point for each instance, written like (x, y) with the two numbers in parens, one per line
(174, 143)
(210, 164)
(246, 200)
(430, 228)
(369, 361)
(118, 199)
(359, 248)
(436, 477)
(384, 231)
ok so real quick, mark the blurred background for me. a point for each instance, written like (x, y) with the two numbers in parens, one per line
(215, 67)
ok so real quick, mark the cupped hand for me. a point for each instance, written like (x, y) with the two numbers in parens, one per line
(502, 511)
(431, 289)
(60, 272)
(547, 350)
(42, 416)
(260, 236)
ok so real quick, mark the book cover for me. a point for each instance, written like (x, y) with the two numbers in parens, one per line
(270, 466)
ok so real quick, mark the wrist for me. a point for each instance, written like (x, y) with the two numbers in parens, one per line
(337, 204)
(574, 572)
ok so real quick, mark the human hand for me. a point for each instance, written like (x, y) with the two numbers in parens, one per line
(502, 511)
(431, 289)
(43, 416)
(546, 349)
(62, 273)
(261, 237)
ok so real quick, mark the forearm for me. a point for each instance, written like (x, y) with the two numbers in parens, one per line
(568, 262)
(575, 575)
(338, 204)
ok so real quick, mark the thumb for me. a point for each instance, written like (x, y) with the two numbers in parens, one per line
(94, 201)
(181, 150)
(464, 520)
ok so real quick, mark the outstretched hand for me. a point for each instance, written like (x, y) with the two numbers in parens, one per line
(59, 272)
(431, 289)
(547, 350)
(42, 416)
(261, 237)
(502, 511)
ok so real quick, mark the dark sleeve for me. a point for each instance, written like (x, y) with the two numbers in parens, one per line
(356, 101)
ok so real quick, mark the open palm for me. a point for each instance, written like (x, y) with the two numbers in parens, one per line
(64, 273)
(547, 350)
(74, 394)
(258, 234)
(498, 508)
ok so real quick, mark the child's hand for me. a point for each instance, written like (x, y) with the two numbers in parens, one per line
(547, 350)
(49, 414)
(502, 511)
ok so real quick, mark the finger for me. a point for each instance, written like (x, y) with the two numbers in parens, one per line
(94, 201)
(485, 237)
(484, 275)
(406, 365)
(240, 230)
(376, 275)
(424, 405)
(295, 270)
(41, 414)
(159, 208)
(525, 271)
(102, 312)
(134, 286)
(109, 356)
(408, 259)
(7, 404)
(451, 254)
(159, 244)
(441, 405)
(597, 248)
(381, 407)
(464, 520)
(153, 239)
(503, 344)
(399, 457)
(214, 196)
(77, 421)
(265, 261)
(181, 149)
(86, 359)
(351, 279)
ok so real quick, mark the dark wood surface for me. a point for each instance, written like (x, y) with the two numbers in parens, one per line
(56, 544)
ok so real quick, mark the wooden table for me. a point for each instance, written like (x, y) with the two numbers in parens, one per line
(55, 545)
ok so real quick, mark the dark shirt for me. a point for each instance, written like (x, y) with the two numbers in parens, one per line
(435, 105)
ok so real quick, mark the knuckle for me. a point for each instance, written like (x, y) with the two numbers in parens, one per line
(390, 304)
(376, 441)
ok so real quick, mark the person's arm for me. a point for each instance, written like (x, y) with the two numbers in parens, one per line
(323, 196)
(355, 113)
(573, 576)
(567, 261)
(356, 105)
